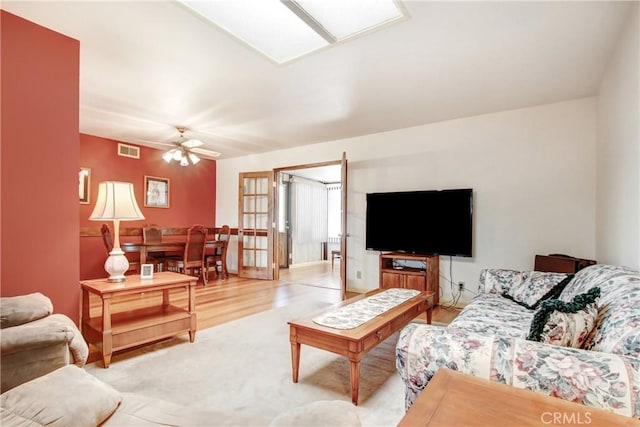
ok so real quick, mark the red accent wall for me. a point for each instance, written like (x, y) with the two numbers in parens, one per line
(39, 225)
(192, 193)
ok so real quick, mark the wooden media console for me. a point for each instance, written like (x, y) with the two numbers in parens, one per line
(395, 273)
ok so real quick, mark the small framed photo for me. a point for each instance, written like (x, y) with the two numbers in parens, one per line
(84, 185)
(146, 271)
(156, 192)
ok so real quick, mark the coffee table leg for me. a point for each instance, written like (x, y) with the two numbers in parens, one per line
(355, 380)
(295, 360)
(429, 312)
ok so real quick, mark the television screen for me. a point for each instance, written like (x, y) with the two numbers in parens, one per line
(422, 222)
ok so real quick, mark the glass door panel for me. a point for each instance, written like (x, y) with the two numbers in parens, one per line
(256, 216)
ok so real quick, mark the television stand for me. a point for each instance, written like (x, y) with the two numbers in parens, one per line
(424, 278)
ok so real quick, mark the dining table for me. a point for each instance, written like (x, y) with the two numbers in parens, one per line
(145, 249)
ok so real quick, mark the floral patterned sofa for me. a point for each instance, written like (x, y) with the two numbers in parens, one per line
(488, 340)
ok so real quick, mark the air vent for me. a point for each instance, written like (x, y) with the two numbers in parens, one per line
(125, 150)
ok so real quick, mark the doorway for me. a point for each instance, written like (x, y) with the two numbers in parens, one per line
(259, 221)
(309, 225)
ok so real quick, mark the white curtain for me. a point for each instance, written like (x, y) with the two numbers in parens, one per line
(334, 217)
(308, 219)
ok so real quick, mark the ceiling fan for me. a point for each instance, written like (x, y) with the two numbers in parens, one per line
(186, 150)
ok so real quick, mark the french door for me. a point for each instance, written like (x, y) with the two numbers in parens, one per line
(345, 234)
(257, 233)
(255, 225)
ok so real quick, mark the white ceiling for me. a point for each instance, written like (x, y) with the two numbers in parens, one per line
(330, 174)
(147, 66)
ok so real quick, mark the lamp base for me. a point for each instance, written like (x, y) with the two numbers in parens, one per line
(116, 265)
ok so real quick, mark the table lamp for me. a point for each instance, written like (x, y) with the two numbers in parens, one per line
(117, 202)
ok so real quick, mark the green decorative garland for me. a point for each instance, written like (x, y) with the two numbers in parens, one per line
(540, 318)
(553, 293)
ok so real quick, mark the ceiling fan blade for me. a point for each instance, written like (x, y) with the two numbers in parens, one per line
(192, 143)
(205, 152)
(188, 145)
(154, 143)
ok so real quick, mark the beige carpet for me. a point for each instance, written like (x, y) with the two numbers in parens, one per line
(245, 366)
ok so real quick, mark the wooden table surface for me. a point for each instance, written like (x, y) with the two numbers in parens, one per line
(142, 325)
(354, 343)
(145, 249)
(455, 399)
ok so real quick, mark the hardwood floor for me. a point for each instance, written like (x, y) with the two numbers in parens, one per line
(224, 300)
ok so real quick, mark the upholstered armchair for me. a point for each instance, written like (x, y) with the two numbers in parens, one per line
(34, 341)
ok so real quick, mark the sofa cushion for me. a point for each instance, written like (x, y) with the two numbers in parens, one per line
(65, 397)
(24, 309)
(565, 324)
(538, 287)
(493, 314)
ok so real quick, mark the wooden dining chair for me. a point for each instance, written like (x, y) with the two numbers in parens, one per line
(218, 258)
(192, 261)
(134, 266)
(152, 233)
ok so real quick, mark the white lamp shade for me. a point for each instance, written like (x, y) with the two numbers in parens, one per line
(116, 200)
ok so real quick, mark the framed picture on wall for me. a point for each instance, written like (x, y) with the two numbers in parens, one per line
(84, 185)
(156, 192)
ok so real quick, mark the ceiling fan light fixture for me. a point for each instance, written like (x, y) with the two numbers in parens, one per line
(182, 152)
(168, 156)
(194, 159)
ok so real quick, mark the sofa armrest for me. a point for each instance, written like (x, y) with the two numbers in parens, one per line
(499, 280)
(23, 309)
(36, 348)
(77, 345)
(591, 378)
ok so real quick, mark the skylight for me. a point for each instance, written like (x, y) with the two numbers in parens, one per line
(284, 30)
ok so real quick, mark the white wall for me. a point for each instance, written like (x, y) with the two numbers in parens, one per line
(618, 153)
(532, 171)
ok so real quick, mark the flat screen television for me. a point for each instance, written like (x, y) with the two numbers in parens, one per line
(421, 222)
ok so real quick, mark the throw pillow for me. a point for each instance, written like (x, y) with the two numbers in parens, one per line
(68, 396)
(539, 286)
(499, 280)
(566, 324)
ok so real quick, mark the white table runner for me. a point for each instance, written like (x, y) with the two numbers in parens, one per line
(353, 315)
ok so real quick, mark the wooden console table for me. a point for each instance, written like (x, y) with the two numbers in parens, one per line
(455, 399)
(119, 331)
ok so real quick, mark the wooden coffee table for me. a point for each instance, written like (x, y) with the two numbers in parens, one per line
(455, 399)
(354, 343)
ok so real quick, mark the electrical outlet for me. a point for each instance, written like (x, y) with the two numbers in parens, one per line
(461, 286)
(358, 274)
